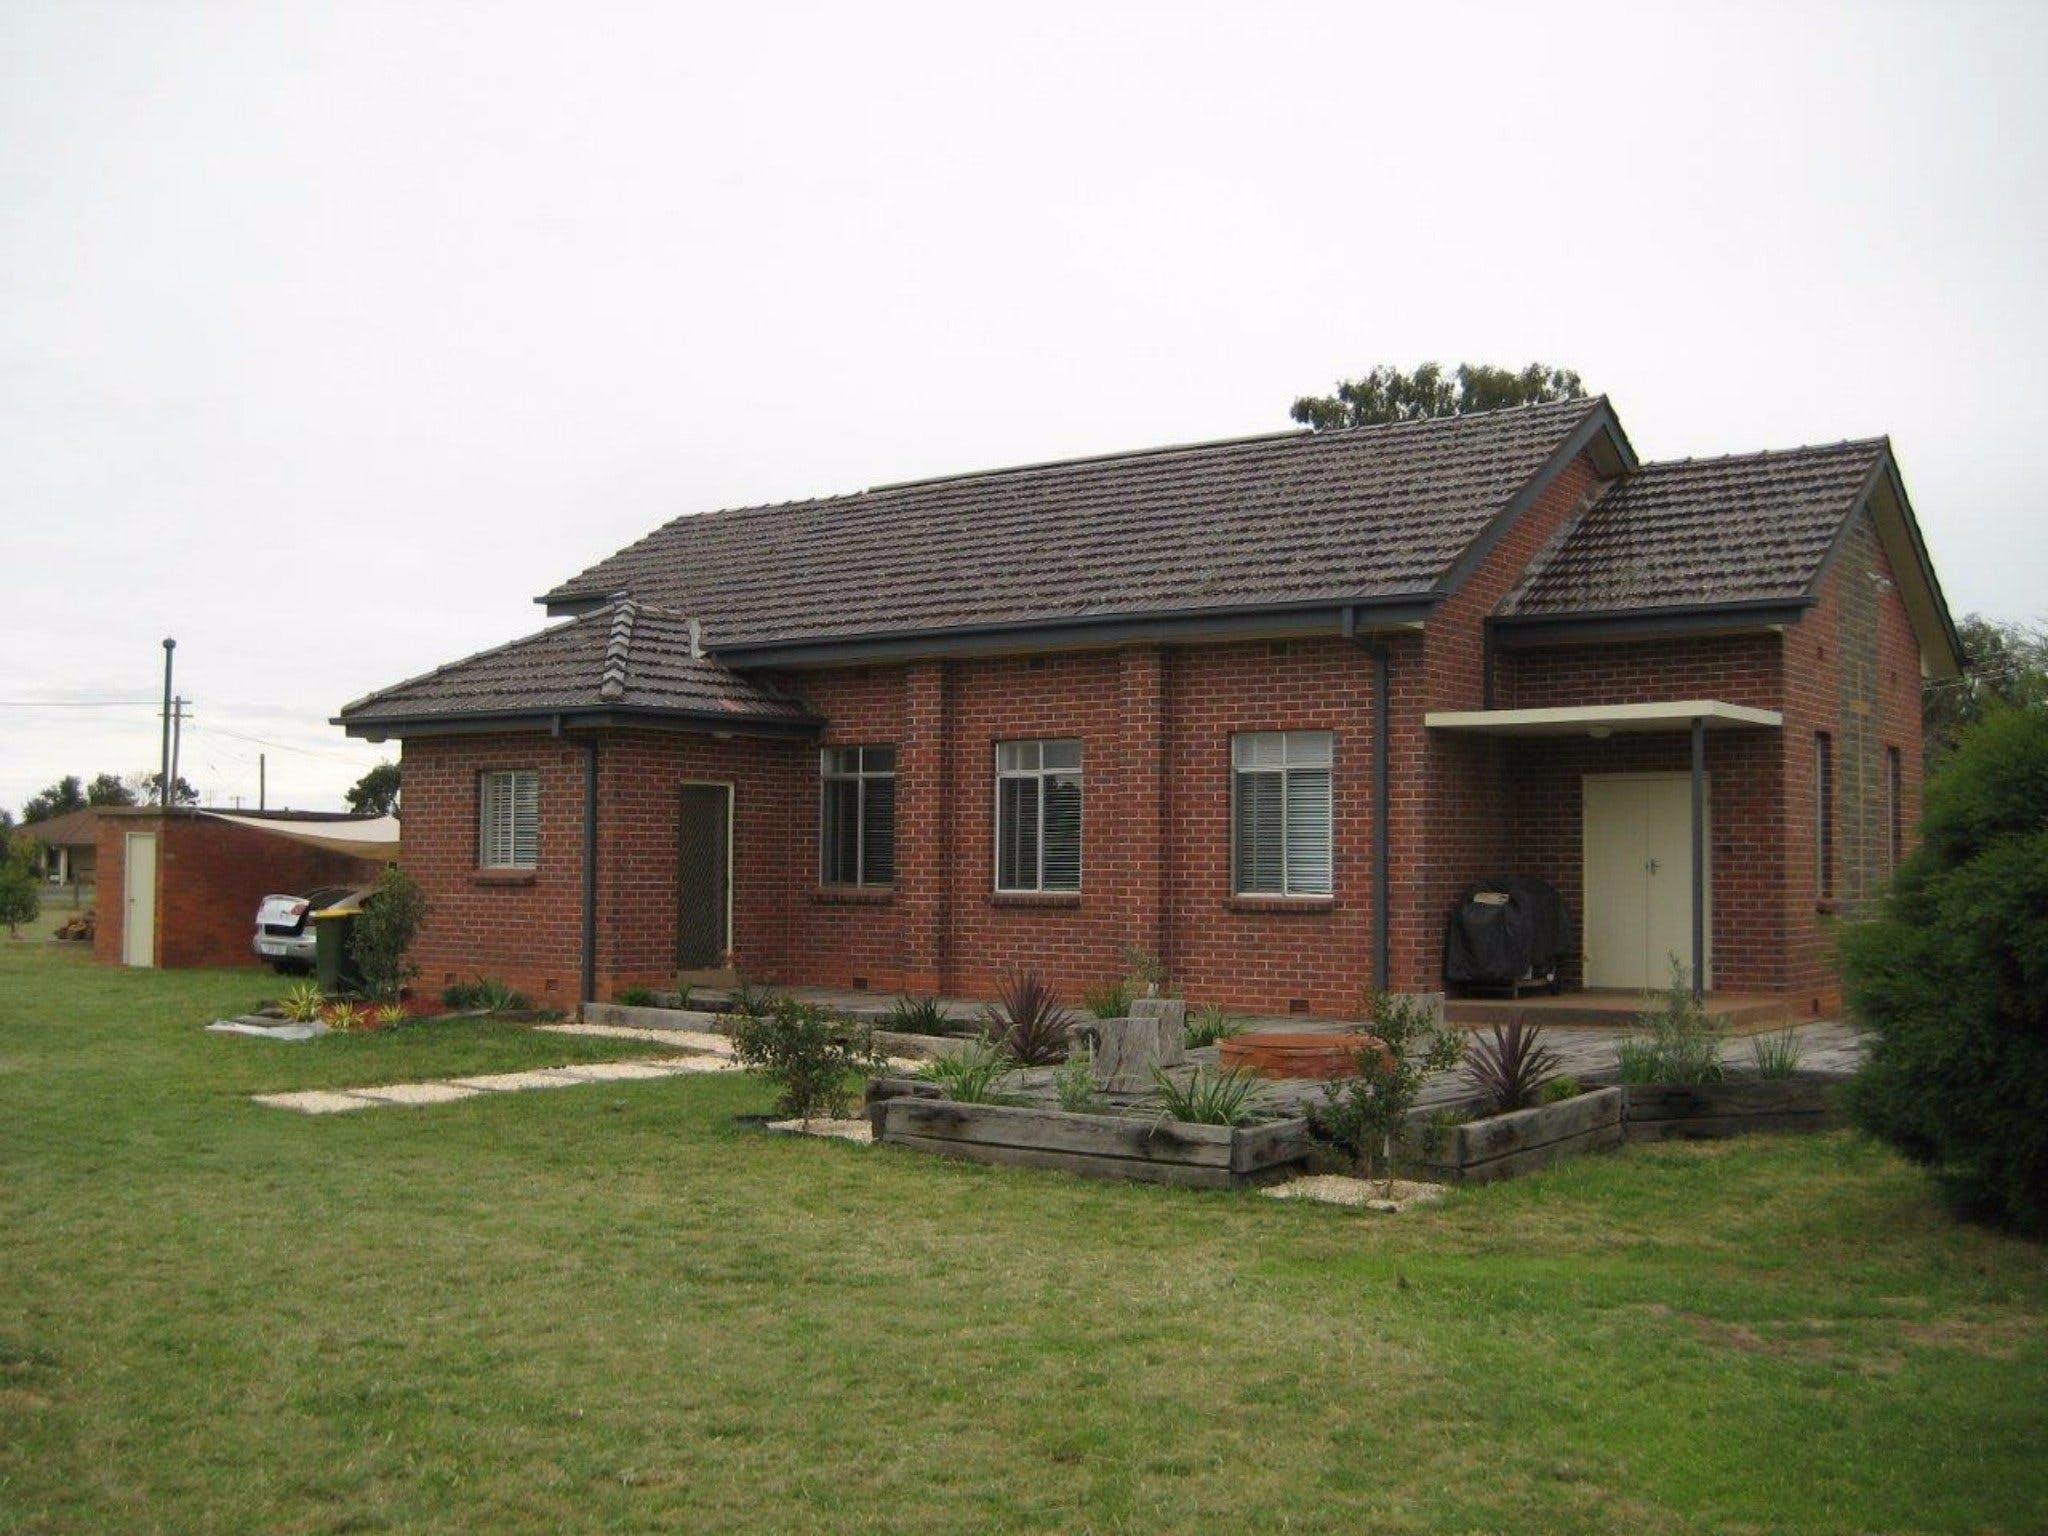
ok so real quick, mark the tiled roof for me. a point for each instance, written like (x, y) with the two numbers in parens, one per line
(624, 656)
(1370, 512)
(1744, 529)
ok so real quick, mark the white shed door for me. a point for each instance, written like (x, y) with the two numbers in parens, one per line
(138, 913)
(1638, 868)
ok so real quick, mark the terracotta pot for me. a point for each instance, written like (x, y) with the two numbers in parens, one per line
(1292, 1053)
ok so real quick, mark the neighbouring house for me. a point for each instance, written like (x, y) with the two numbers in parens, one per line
(1261, 707)
(68, 847)
(181, 887)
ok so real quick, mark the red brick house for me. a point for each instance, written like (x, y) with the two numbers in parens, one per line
(1261, 707)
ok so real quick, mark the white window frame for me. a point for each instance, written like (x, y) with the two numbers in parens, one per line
(490, 785)
(1299, 752)
(1038, 774)
(863, 775)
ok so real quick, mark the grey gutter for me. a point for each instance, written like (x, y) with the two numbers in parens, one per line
(1317, 616)
(382, 727)
(1649, 623)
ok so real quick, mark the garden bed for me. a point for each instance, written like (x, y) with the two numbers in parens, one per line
(909, 1113)
(1804, 1101)
(1501, 1146)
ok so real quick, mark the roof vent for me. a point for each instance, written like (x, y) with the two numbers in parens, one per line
(696, 640)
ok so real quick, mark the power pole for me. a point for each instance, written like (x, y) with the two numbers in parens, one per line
(163, 783)
(262, 773)
(177, 741)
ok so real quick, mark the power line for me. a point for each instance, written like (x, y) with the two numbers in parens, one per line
(78, 704)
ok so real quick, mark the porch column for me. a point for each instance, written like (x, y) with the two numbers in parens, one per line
(1140, 833)
(1699, 856)
(924, 823)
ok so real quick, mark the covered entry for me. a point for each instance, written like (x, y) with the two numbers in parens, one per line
(1644, 873)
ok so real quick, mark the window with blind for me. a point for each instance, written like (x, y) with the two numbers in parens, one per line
(1038, 816)
(857, 822)
(1280, 815)
(508, 819)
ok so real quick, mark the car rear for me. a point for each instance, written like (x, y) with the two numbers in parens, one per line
(284, 927)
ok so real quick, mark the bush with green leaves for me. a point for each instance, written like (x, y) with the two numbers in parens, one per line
(1363, 1115)
(751, 999)
(1511, 1068)
(811, 1056)
(636, 997)
(1951, 979)
(484, 994)
(380, 940)
(1678, 1042)
(1147, 973)
(1558, 1089)
(1074, 1083)
(302, 1002)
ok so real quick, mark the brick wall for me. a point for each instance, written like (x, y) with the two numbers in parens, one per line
(211, 877)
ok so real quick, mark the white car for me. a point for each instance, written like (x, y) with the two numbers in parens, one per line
(284, 926)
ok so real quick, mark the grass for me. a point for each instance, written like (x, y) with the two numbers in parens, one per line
(608, 1308)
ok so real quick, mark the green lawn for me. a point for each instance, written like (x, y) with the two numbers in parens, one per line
(610, 1308)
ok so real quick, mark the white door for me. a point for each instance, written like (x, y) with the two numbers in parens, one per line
(1638, 868)
(138, 914)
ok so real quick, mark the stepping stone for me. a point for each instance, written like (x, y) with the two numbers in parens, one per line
(519, 1082)
(314, 1101)
(620, 1071)
(1360, 1194)
(839, 1130)
(697, 1064)
(416, 1093)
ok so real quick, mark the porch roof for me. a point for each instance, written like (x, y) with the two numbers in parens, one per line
(1603, 719)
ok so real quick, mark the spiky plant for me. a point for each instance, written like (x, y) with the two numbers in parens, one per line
(918, 1016)
(390, 1015)
(1209, 1024)
(1210, 1097)
(302, 1002)
(1028, 1022)
(346, 1016)
(1109, 999)
(1511, 1069)
(1776, 1055)
(970, 1076)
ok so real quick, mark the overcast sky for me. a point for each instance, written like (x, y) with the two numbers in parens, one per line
(332, 333)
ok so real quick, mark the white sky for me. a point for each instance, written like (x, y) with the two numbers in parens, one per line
(331, 334)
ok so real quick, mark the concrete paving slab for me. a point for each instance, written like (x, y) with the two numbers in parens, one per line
(520, 1082)
(620, 1071)
(314, 1101)
(417, 1093)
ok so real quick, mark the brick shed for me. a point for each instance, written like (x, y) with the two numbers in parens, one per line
(1263, 708)
(181, 888)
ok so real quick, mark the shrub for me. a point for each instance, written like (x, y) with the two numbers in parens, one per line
(389, 1015)
(20, 899)
(1028, 1023)
(302, 1002)
(809, 1054)
(1680, 1044)
(636, 997)
(345, 1017)
(749, 999)
(918, 1016)
(1210, 1097)
(381, 938)
(1511, 1068)
(1209, 1024)
(1775, 1055)
(971, 1075)
(485, 993)
(1558, 1089)
(1108, 999)
(1074, 1082)
(1147, 974)
(1363, 1115)
(1951, 977)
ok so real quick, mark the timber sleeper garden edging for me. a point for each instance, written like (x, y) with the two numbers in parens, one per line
(1154, 1150)
(1735, 1106)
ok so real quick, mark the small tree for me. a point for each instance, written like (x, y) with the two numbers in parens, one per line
(61, 798)
(376, 792)
(382, 937)
(182, 792)
(1952, 979)
(20, 898)
(1365, 1115)
(108, 789)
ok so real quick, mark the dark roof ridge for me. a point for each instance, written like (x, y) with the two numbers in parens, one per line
(489, 650)
(617, 650)
(1756, 454)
